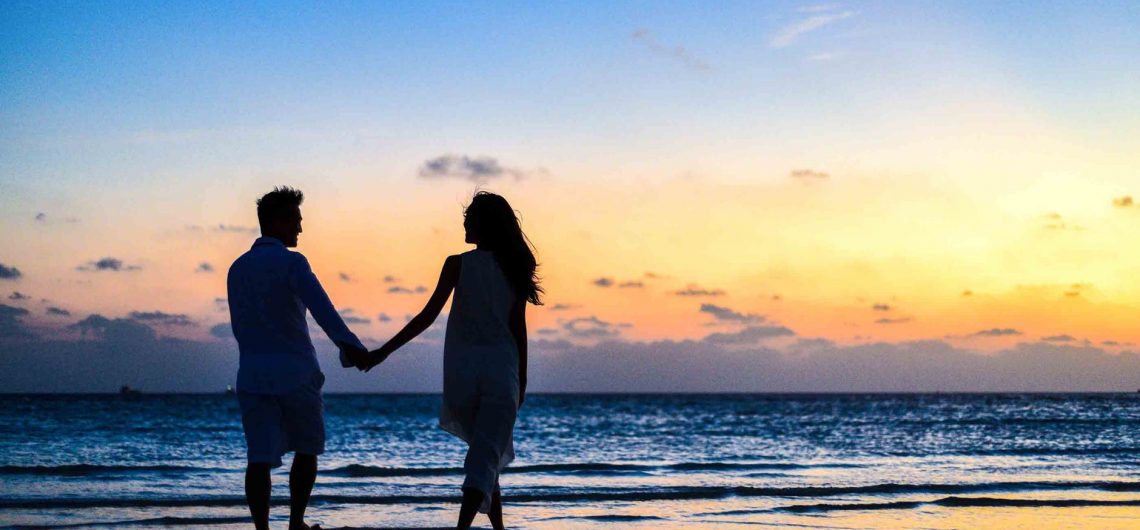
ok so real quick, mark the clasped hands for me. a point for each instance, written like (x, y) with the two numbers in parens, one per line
(362, 359)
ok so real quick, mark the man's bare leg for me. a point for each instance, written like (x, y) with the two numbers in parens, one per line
(257, 486)
(302, 476)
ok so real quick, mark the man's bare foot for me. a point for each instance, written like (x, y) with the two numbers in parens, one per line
(305, 527)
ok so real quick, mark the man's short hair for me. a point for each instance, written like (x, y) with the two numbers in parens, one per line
(277, 203)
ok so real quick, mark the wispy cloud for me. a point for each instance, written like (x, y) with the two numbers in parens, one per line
(108, 264)
(997, 332)
(350, 316)
(808, 174)
(1123, 202)
(750, 335)
(396, 289)
(823, 57)
(475, 169)
(694, 290)
(204, 267)
(9, 273)
(725, 314)
(161, 318)
(590, 327)
(676, 53)
(18, 296)
(821, 17)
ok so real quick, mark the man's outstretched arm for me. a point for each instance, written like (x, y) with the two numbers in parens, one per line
(312, 294)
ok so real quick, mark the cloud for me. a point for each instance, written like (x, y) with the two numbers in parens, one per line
(603, 282)
(563, 307)
(18, 296)
(997, 332)
(725, 314)
(350, 317)
(236, 229)
(631, 285)
(9, 273)
(788, 34)
(1059, 338)
(162, 319)
(108, 264)
(808, 174)
(749, 335)
(547, 331)
(58, 311)
(967, 292)
(475, 169)
(917, 366)
(114, 352)
(390, 279)
(676, 53)
(893, 320)
(115, 330)
(222, 331)
(826, 56)
(590, 327)
(655, 276)
(11, 322)
(41, 217)
(204, 267)
(881, 307)
(383, 317)
(694, 290)
(344, 277)
(1123, 202)
(396, 289)
(1054, 221)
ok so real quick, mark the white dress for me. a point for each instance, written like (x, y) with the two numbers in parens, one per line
(481, 371)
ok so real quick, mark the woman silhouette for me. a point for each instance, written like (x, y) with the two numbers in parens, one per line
(484, 353)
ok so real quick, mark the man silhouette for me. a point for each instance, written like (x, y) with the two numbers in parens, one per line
(279, 380)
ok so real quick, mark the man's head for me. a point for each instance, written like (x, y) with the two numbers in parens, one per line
(279, 214)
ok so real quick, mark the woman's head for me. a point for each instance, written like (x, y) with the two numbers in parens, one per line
(490, 222)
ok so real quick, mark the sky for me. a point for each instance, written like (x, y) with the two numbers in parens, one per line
(740, 196)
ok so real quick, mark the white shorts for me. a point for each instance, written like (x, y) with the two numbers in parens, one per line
(277, 424)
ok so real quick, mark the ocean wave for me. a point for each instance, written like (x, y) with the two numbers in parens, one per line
(585, 468)
(960, 502)
(600, 495)
(155, 521)
(97, 469)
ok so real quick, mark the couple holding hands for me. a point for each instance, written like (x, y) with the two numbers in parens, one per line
(484, 363)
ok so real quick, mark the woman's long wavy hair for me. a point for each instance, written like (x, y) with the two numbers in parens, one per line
(492, 221)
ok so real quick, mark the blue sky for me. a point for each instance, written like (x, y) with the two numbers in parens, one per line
(815, 162)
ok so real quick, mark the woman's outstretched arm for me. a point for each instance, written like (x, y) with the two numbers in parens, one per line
(447, 280)
(518, 329)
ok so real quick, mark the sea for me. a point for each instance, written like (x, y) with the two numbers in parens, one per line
(739, 461)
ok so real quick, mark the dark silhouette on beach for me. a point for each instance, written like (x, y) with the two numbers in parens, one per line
(279, 381)
(485, 349)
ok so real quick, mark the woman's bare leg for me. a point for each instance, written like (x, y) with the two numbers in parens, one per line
(495, 514)
(472, 498)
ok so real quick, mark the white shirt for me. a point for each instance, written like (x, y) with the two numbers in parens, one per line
(270, 287)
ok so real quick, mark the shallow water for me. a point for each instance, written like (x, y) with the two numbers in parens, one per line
(585, 461)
